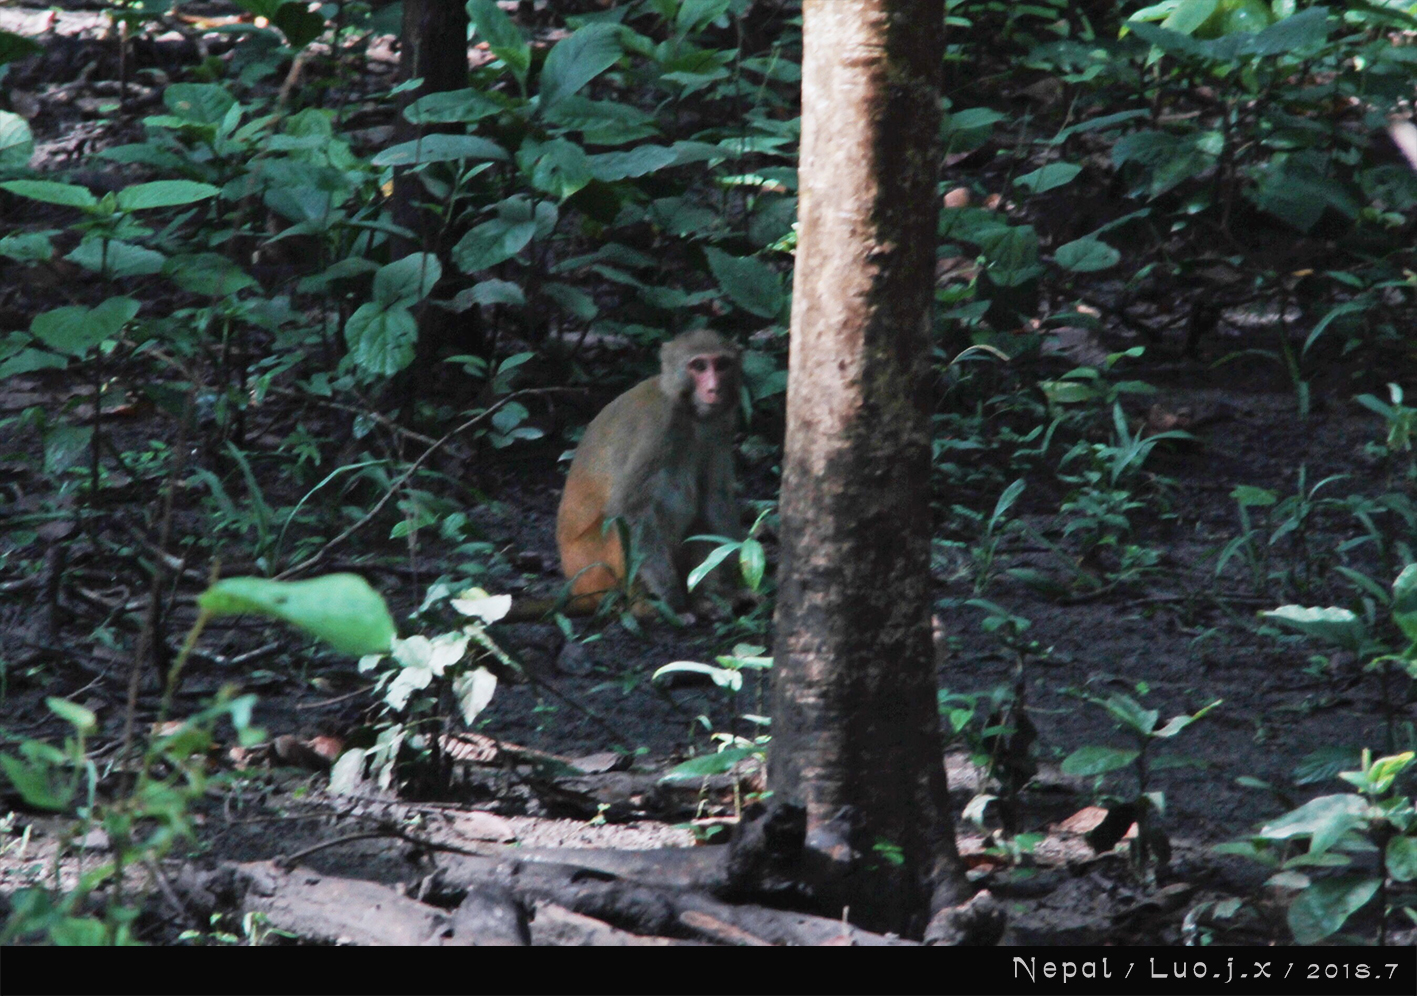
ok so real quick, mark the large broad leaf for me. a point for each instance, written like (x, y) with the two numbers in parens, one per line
(559, 167)
(16, 141)
(1323, 908)
(74, 330)
(491, 243)
(1087, 761)
(198, 103)
(164, 193)
(1012, 253)
(1296, 190)
(451, 107)
(1332, 624)
(1086, 255)
(438, 148)
(1048, 177)
(1404, 601)
(298, 23)
(381, 339)
(27, 247)
(601, 122)
(612, 166)
(65, 446)
(577, 60)
(710, 764)
(749, 282)
(207, 273)
(407, 280)
(340, 609)
(116, 258)
(49, 192)
(1304, 29)
(1324, 820)
(30, 360)
(13, 46)
(501, 35)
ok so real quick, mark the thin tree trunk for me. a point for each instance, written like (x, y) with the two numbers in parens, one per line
(856, 735)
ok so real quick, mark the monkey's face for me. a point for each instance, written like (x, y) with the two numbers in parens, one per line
(715, 380)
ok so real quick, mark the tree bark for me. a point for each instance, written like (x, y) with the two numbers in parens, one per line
(856, 735)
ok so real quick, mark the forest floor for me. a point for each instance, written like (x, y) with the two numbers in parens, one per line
(1175, 631)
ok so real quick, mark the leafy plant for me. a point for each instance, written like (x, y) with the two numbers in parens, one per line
(1143, 805)
(1360, 847)
(733, 748)
(1343, 628)
(423, 681)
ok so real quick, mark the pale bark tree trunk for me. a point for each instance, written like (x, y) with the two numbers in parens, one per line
(856, 735)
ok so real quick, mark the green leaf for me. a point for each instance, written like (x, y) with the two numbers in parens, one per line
(1097, 760)
(491, 243)
(16, 140)
(65, 446)
(1130, 713)
(1322, 908)
(209, 274)
(575, 301)
(439, 148)
(1402, 858)
(749, 282)
(340, 609)
(74, 329)
(451, 107)
(27, 247)
(1296, 190)
(1048, 177)
(709, 764)
(298, 23)
(13, 46)
(1012, 253)
(164, 193)
(501, 35)
(1086, 255)
(407, 280)
(49, 192)
(716, 556)
(491, 292)
(1253, 497)
(639, 161)
(752, 560)
(559, 167)
(29, 360)
(117, 259)
(575, 61)
(81, 719)
(37, 783)
(1333, 625)
(1404, 601)
(381, 339)
(198, 103)
(601, 122)
(1324, 820)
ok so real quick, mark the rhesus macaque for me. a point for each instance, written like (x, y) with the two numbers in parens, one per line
(659, 457)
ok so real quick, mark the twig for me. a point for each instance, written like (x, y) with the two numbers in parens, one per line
(368, 517)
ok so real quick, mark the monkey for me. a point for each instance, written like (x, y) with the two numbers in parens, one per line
(660, 459)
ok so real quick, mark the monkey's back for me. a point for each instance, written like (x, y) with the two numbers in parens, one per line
(608, 468)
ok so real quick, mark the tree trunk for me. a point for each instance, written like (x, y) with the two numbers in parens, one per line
(856, 735)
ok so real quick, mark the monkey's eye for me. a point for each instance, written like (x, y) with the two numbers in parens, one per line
(722, 363)
(698, 364)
